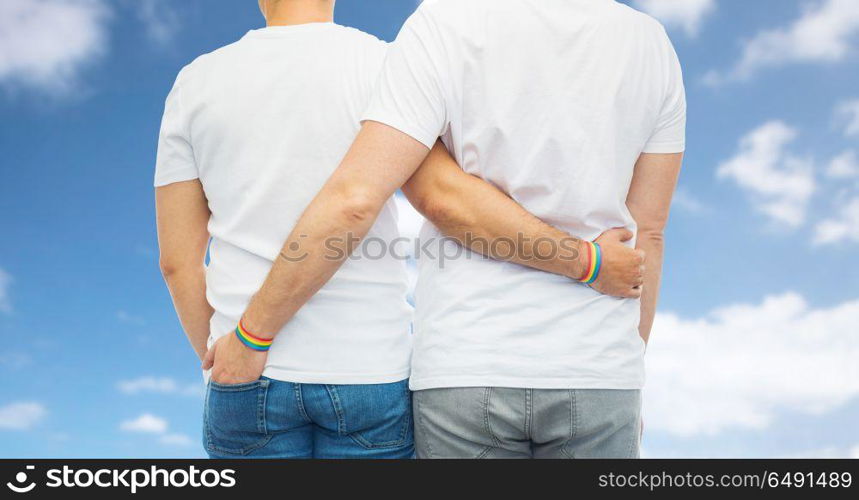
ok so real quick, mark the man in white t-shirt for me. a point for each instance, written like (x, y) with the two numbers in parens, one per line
(250, 134)
(576, 110)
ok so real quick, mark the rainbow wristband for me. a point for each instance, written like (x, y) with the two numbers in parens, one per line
(595, 263)
(251, 342)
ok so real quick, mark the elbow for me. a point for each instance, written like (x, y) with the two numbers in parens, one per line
(442, 211)
(421, 201)
(171, 267)
(440, 202)
(358, 207)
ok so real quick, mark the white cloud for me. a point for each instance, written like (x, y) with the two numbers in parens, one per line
(158, 385)
(843, 226)
(129, 319)
(44, 44)
(176, 440)
(740, 365)
(146, 423)
(5, 285)
(159, 19)
(848, 111)
(780, 183)
(151, 424)
(686, 202)
(21, 416)
(827, 452)
(685, 14)
(823, 33)
(844, 166)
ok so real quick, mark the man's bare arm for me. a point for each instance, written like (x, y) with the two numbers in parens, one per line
(182, 217)
(480, 216)
(649, 201)
(378, 163)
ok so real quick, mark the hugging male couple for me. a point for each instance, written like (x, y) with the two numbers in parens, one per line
(544, 135)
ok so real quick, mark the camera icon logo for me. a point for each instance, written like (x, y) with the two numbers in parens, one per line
(20, 479)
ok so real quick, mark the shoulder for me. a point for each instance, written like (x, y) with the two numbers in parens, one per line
(361, 39)
(441, 8)
(205, 63)
(365, 44)
(647, 31)
(644, 22)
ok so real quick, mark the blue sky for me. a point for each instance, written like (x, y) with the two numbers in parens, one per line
(755, 345)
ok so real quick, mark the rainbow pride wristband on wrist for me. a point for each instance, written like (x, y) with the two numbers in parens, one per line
(593, 272)
(252, 342)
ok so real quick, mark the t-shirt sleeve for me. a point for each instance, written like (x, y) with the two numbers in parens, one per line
(175, 159)
(410, 94)
(669, 136)
(375, 62)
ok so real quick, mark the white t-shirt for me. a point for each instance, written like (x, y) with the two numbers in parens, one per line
(552, 101)
(263, 123)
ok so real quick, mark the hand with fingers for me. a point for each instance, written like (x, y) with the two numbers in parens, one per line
(622, 270)
(232, 362)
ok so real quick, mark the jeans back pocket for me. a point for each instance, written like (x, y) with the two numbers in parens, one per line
(375, 416)
(234, 417)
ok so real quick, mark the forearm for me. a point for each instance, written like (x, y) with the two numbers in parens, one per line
(649, 202)
(483, 218)
(182, 215)
(377, 164)
(323, 238)
(188, 290)
(653, 245)
(490, 223)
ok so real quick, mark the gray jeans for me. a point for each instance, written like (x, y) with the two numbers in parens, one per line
(493, 422)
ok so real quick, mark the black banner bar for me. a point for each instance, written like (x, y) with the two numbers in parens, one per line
(407, 479)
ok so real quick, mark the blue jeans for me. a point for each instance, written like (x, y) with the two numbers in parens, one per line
(273, 419)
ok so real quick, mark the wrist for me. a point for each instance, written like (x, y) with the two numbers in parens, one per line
(255, 327)
(252, 341)
(580, 262)
(594, 263)
(589, 262)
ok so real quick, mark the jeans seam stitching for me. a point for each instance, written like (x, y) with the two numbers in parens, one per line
(420, 420)
(528, 413)
(261, 413)
(487, 395)
(338, 409)
(300, 400)
(208, 434)
(360, 440)
(574, 423)
(242, 451)
(636, 436)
